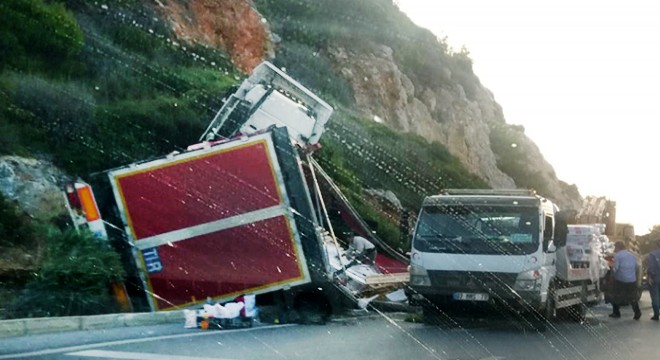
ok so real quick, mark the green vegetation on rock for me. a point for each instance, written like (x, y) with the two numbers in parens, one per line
(361, 154)
(38, 36)
(509, 145)
(74, 278)
(116, 88)
(15, 230)
(91, 89)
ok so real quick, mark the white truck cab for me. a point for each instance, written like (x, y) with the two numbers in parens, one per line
(270, 97)
(484, 246)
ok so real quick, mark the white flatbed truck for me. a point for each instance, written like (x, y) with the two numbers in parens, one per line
(504, 247)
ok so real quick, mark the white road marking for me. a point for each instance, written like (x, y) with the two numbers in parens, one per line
(134, 355)
(135, 341)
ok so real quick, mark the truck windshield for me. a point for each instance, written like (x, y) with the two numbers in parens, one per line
(470, 229)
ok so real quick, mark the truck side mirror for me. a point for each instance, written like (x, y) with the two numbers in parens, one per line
(561, 228)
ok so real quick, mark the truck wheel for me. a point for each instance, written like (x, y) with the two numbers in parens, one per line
(550, 310)
(578, 313)
(539, 319)
(430, 314)
(539, 323)
(312, 308)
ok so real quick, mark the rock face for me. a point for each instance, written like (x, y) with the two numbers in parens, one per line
(233, 25)
(439, 112)
(444, 114)
(33, 184)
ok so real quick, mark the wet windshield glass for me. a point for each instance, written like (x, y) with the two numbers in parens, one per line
(478, 230)
(252, 167)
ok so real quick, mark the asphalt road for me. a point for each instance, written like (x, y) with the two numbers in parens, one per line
(382, 336)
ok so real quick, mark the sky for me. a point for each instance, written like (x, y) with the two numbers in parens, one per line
(581, 76)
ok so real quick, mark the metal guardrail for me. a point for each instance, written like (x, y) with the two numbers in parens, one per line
(496, 192)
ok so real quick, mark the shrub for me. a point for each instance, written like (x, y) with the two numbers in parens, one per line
(379, 157)
(9, 138)
(361, 154)
(74, 278)
(54, 117)
(136, 40)
(314, 70)
(35, 35)
(509, 145)
(150, 127)
(385, 228)
(64, 110)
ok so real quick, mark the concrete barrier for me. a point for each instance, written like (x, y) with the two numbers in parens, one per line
(173, 316)
(32, 326)
(163, 317)
(100, 322)
(55, 324)
(12, 327)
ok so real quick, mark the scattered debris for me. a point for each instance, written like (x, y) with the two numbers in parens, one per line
(230, 315)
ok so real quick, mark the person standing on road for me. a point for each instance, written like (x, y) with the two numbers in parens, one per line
(625, 271)
(361, 250)
(653, 277)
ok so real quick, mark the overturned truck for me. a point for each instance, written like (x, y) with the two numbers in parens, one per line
(218, 222)
(233, 214)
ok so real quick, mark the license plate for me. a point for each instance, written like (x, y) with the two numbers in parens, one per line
(471, 296)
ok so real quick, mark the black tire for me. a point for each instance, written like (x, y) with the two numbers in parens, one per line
(543, 317)
(431, 314)
(538, 319)
(550, 309)
(539, 324)
(312, 308)
(577, 313)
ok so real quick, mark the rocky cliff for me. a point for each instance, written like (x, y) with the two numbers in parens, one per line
(34, 184)
(459, 115)
(233, 25)
(444, 114)
(445, 110)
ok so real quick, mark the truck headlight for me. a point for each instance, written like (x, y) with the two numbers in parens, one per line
(419, 276)
(528, 280)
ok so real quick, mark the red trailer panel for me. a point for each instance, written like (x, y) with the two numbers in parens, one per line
(211, 223)
(198, 189)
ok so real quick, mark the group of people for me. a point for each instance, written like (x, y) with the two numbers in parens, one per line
(623, 282)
